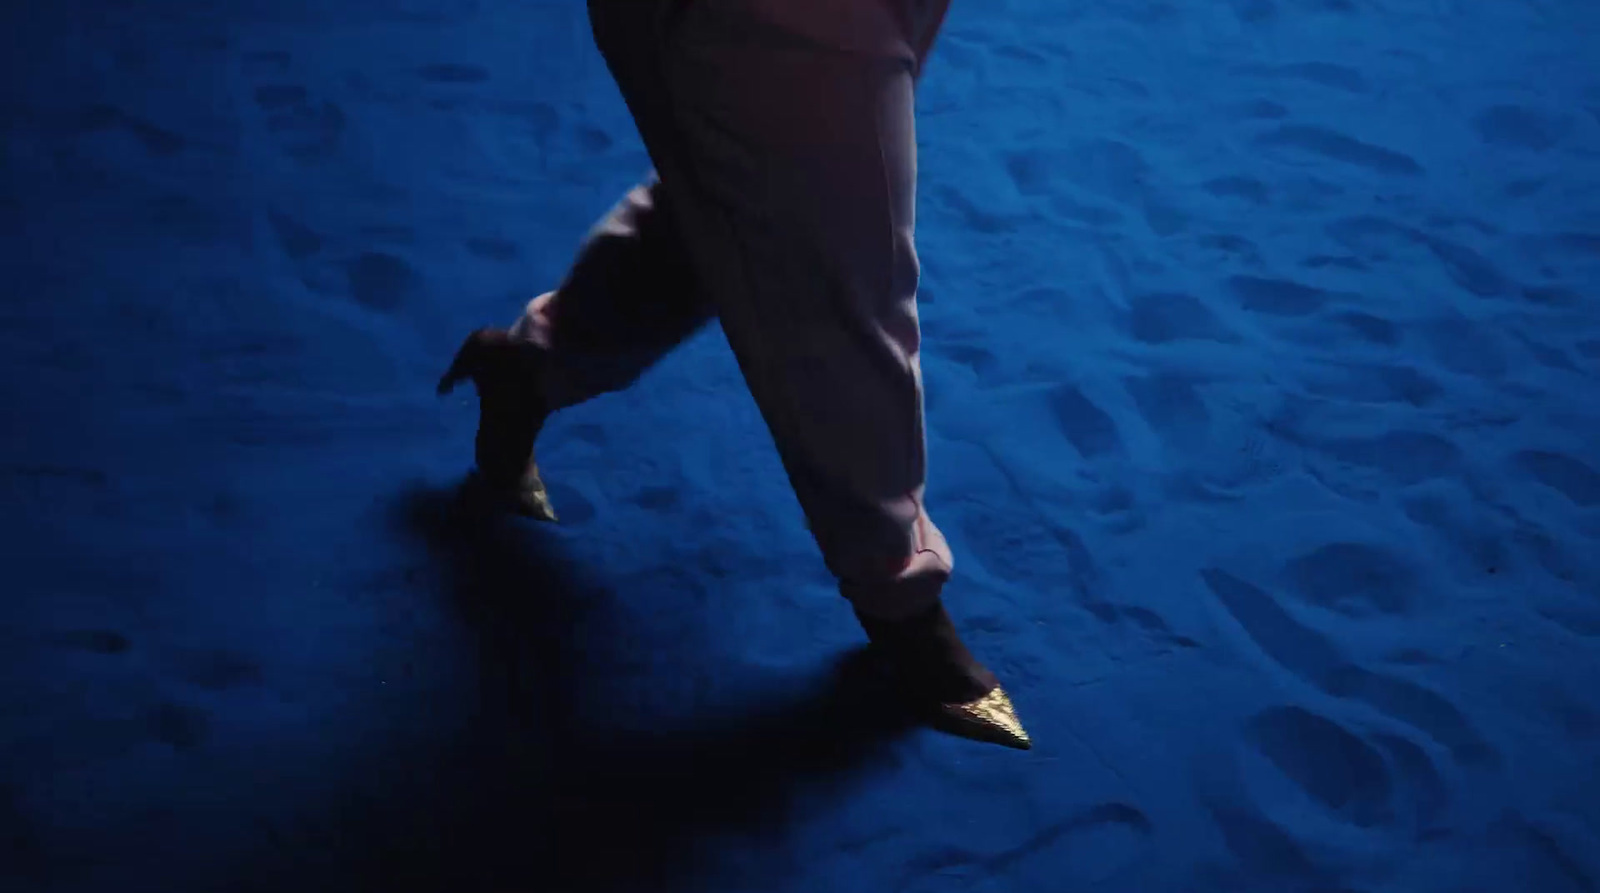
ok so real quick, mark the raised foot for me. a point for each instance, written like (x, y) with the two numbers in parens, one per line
(511, 412)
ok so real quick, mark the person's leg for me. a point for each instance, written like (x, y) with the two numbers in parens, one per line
(629, 298)
(792, 170)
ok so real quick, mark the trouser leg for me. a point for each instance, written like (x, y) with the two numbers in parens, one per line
(791, 163)
(629, 298)
(791, 167)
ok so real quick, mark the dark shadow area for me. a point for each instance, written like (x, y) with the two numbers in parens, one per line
(531, 797)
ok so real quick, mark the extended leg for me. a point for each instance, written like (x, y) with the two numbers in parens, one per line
(792, 169)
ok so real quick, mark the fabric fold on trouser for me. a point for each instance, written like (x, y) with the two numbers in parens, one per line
(783, 205)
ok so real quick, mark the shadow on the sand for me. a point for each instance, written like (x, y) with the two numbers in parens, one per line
(546, 803)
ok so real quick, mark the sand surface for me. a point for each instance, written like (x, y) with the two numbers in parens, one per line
(1262, 340)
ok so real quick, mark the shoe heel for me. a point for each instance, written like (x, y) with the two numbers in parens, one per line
(461, 366)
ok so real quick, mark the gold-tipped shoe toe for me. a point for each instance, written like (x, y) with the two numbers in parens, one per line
(534, 502)
(991, 718)
(528, 498)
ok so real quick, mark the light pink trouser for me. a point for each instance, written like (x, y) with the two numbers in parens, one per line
(782, 204)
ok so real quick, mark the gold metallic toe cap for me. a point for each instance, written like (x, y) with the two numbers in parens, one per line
(533, 500)
(535, 504)
(991, 718)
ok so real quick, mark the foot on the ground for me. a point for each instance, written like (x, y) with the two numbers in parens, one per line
(511, 412)
(942, 677)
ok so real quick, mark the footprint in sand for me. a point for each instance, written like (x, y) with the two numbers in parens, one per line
(1248, 189)
(1333, 766)
(1547, 551)
(1327, 74)
(1574, 479)
(657, 498)
(1152, 625)
(1089, 847)
(1254, 12)
(1089, 429)
(1171, 404)
(1333, 145)
(1443, 508)
(1546, 355)
(534, 124)
(1400, 457)
(1163, 318)
(1469, 269)
(1580, 620)
(1237, 450)
(1561, 256)
(1108, 168)
(1525, 187)
(974, 215)
(1424, 788)
(1232, 249)
(1369, 236)
(216, 670)
(1316, 660)
(1259, 847)
(1277, 297)
(158, 141)
(1029, 57)
(1335, 262)
(178, 726)
(1024, 550)
(976, 357)
(1163, 219)
(1065, 207)
(93, 641)
(1542, 861)
(1354, 579)
(1378, 239)
(1520, 127)
(1578, 720)
(1033, 171)
(381, 281)
(1551, 296)
(302, 127)
(1369, 328)
(1322, 74)
(1377, 383)
(1259, 110)
(296, 239)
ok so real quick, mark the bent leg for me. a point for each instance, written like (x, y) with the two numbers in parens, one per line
(629, 298)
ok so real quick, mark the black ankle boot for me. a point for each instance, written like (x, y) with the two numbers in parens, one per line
(939, 674)
(928, 653)
(511, 412)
